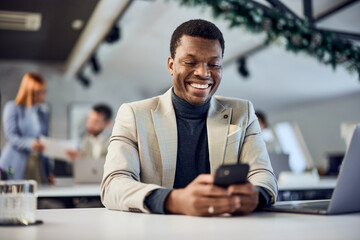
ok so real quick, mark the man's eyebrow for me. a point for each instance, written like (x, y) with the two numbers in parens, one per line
(193, 56)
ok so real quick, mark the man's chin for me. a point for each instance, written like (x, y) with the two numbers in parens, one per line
(197, 101)
(94, 134)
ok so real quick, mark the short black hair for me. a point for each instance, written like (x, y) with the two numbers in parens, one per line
(262, 117)
(103, 109)
(196, 28)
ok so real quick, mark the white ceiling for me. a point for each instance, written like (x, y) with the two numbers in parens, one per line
(278, 78)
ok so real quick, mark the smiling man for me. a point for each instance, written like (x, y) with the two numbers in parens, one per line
(163, 151)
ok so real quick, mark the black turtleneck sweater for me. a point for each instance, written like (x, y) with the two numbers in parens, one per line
(193, 150)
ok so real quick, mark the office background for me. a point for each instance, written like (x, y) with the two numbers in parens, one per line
(286, 86)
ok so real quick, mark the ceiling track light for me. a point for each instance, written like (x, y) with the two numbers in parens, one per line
(95, 64)
(84, 81)
(242, 67)
(114, 34)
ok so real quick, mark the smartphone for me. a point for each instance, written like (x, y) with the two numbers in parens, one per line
(228, 174)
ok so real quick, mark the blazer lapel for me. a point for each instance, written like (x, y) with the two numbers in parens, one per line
(218, 121)
(166, 131)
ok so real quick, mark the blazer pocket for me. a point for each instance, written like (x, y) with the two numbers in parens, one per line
(232, 147)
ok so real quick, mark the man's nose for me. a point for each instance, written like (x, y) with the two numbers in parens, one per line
(202, 71)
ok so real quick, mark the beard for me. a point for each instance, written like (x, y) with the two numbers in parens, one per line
(93, 132)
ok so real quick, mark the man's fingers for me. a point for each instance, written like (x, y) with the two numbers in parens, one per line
(204, 178)
(209, 190)
(241, 189)
(206, 199)
(219, 205)
(203, 185)
(248, 205)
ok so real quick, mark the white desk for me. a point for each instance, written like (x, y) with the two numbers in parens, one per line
(100, 223)
(76, 190)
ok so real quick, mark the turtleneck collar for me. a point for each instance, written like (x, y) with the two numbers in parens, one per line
(187, 110)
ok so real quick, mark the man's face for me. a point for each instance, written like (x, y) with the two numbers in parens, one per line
(196, 69)
(95, 123)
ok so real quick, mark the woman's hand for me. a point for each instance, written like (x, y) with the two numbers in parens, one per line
(51, 179)
(37, 146)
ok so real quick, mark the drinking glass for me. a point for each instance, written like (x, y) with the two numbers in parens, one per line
(18, 202)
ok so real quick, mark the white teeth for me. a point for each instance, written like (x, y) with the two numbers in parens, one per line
(196, 85)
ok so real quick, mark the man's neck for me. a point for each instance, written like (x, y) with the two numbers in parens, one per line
(185, 109)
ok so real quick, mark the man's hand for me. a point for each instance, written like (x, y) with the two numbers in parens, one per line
(249, 197)
(200, 195)
(73, 154)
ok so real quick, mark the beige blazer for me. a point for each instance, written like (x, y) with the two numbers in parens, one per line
(143, 148)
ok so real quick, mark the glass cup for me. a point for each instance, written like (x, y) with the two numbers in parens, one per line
(18, 202)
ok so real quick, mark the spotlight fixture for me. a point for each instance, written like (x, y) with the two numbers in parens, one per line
(95, 64)
(242, 67)
(113, 35)
(85, 81)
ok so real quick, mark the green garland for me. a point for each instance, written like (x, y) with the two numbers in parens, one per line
(298, 35)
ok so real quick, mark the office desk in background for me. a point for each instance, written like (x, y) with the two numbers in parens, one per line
(69, 195)
(307, 190)
(71, 189)
(79, 195)
(75, 190)
(100, 223)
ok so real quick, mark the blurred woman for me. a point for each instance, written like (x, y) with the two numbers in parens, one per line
(24, 121)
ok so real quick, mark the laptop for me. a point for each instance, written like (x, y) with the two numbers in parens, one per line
(346, 195)
(279, 163)
(88, 170)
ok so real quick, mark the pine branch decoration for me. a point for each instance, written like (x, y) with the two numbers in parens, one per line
(295, 32)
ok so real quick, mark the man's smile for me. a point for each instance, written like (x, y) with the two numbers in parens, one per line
(200, 85)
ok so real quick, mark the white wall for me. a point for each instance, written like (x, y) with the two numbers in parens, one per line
(320, 122)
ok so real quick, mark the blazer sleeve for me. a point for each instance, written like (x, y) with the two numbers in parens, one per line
(254, 153)
(11, 128)
(121, 188)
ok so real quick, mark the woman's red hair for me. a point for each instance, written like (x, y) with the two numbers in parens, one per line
(31, 82)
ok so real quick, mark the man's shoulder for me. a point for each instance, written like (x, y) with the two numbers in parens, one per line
(232, 102)
(142, 108)
(145, 103)
(242, 109)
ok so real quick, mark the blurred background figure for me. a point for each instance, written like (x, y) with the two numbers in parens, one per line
(24, 120)
(95, 140)
(98, 130)
(271, 141)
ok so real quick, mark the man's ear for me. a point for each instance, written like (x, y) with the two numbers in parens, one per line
(170, 65)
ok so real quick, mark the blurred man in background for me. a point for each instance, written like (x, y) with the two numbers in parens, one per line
(98, 131)
(95, 141)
